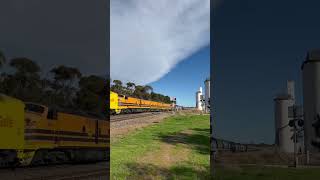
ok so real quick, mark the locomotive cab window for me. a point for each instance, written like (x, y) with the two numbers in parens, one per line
(52, 114)
(34, 108)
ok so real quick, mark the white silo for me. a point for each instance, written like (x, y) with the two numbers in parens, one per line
(207, 95)
(290, 89)
(199, 99)
(311, 100)
(284, 133)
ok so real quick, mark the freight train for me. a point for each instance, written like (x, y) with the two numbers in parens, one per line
(223, 145)
(34, 134)
(125, 104)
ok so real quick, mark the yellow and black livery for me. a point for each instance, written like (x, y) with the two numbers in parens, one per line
(126, 104)
(33, 134)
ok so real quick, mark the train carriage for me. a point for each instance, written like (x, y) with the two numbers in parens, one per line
(41, 135)
(125, 104)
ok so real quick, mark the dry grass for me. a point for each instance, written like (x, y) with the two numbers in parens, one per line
(167, 156)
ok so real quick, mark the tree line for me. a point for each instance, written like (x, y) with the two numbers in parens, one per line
(65, 89)
(138, 91)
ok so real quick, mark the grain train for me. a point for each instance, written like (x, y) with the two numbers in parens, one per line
(125, 104)
(33, 134)
(223, 145)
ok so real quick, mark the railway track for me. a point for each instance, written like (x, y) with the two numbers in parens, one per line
(96, 174)
(59, 172)
(126, 117)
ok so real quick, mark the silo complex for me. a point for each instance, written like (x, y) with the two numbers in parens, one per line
(199, 99)
(290, 88)
(284, 133)
(283, 138)
(311, 100)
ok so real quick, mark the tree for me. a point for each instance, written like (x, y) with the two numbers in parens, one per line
(2, 75)
(26, 79)
(64, 84)
(139, 92)
(25, 65)
(117, 87)
(65, 74)
(148, 89)
(2, 59)
(130, 88)
(92, 96)
(131, 85)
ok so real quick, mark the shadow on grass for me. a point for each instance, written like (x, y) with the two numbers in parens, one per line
(198, 139)
(150, 171)
(205, 130)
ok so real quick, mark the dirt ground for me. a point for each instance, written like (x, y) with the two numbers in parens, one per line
(169, 154)
(122, 128)
(262, 156)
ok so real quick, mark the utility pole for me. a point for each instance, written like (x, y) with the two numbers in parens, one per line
(295, 136)
(295, 123)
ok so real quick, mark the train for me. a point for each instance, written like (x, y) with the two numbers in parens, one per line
(126, 104)
(34, 134)
(223, 145)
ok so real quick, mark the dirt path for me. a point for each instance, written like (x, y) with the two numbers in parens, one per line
(167, 156)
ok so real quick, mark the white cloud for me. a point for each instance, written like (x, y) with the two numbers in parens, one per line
(149, 37)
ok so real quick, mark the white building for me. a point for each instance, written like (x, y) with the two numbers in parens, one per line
(199, 99)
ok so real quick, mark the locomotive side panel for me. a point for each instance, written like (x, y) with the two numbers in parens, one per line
(11, 123)
(131, 104)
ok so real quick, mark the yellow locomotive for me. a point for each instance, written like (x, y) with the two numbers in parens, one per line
(125, 104)
(33, 134)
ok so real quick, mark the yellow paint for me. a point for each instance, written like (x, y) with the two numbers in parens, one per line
(11, 123)
(16, 123)
(66, 122)
(114, 102)
(119, 102)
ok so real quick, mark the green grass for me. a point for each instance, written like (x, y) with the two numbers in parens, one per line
(266, 173)
(126, 151)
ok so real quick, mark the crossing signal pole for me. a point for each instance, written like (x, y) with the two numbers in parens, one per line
(295, 123)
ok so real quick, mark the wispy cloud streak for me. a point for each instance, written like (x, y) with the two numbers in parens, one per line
(149, 37)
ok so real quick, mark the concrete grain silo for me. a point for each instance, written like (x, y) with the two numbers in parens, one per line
(311, 100)
(284, 133)
(199, 104)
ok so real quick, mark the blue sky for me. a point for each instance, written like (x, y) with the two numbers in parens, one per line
(148, 39)
(259, 45)
(185, 79)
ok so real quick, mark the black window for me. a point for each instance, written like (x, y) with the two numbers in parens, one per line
(52, 114)
(34, 108)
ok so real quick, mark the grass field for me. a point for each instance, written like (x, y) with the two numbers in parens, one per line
(176, 148)
(266, 173)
